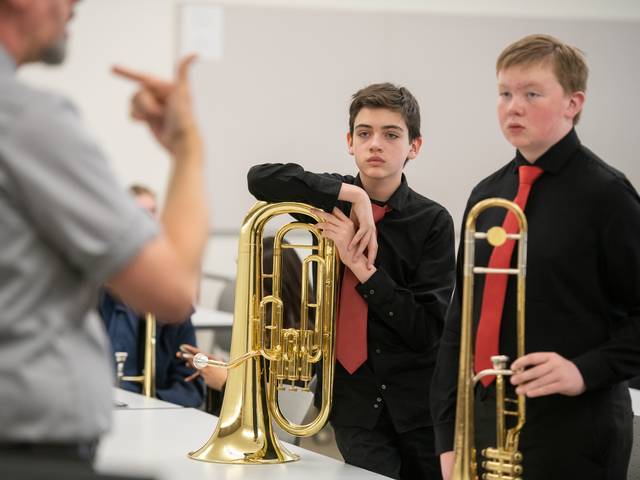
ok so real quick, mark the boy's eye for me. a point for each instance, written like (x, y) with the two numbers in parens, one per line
(363, 134)
(392, 136)
(532, 95)
(505, 94)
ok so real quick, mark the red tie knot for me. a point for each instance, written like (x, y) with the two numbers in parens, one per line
(379, 211)
(529, 174)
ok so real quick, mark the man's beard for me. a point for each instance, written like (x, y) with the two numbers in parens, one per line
(54, 54)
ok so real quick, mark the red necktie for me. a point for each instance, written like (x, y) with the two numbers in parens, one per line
(351, 329)
(495, 286)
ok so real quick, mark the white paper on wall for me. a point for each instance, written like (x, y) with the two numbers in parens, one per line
(200, 30)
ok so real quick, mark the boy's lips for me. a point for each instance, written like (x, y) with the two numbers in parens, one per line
(515, 127)
(375, 160)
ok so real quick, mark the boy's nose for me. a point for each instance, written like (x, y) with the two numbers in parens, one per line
(375, 143)
(515, 106)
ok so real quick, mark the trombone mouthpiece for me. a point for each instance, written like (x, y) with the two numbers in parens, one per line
(200, 360)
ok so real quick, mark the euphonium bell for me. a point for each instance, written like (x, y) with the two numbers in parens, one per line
(502, 462)
(148, 376)
(266, 356)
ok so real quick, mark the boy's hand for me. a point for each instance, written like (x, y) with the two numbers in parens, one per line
(447, 460)
(548, 373)
(362, 216)
(165, 106)
(365, 237)
(214, 377)
(338, 227)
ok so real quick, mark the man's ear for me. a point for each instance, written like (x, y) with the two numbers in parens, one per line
(416, 144)
(576, 102)
(349, 143)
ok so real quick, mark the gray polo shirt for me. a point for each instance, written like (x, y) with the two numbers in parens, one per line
(66, 227)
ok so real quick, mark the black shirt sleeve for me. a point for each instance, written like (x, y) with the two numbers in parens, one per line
(618, 359)
(278, 182)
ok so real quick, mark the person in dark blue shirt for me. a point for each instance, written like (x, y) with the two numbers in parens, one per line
(126, 331)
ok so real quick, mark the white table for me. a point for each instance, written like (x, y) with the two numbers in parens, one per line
(156, 442)
(135, 401)
(213, 330)
(205, 317)
(635, 401)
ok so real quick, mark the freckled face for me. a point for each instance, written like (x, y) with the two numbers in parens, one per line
(533, 110)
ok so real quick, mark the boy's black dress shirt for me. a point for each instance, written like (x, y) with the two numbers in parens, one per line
(407, 296)
(582, 301)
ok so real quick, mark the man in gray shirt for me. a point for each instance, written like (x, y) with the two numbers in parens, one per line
(67, 228)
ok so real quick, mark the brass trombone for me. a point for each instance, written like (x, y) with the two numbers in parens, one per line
(502, 462)
(266, 357)
(148, 376)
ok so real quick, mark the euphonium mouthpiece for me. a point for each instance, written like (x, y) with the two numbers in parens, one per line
(200, 361)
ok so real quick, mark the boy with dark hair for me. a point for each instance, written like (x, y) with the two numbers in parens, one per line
(583, 275)
(396, 285)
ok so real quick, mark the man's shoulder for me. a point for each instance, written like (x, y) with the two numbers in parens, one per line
(599, 169)
(32, 112)
(602, 177)
(422, 204)
(22, 98)
(492, 179)
(33, 119)
(496, 175)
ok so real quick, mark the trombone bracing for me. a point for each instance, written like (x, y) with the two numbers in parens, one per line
(266, 356)
(503, 461)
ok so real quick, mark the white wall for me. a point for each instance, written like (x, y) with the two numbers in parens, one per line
(142, 34)
(137, 33)
(281, 89)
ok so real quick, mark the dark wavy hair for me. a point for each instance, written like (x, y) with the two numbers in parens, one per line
(390, 97)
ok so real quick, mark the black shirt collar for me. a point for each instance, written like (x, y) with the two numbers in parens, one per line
(554, 158)
(398, 200)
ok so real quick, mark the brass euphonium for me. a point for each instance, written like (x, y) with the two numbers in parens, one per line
(148, 376)
(265, 356)
(502, 462)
